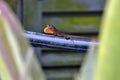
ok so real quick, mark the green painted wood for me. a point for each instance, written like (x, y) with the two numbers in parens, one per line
(61, 74)
(61, 58)
(73, 5)
(75, 24)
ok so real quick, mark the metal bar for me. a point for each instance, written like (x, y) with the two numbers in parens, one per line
(40, 40)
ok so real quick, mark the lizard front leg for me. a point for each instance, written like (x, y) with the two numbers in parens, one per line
(67, 37)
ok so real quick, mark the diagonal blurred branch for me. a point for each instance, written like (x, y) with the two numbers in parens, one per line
(40, 39)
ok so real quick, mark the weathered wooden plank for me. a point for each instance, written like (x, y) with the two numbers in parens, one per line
(61, 74)
(73, 5)
(75, 24)
(61, 58)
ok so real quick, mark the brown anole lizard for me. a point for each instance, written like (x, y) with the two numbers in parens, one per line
(50, 29)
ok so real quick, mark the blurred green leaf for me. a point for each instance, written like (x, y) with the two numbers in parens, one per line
(17, 59)
(87, 70)
(108, 63)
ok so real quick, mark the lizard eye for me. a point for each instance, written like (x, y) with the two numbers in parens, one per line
(48, 30)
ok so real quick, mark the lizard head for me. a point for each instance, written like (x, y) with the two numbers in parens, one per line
(50, 29)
